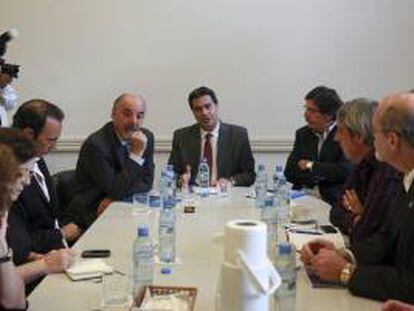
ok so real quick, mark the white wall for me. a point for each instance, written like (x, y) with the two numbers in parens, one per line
(261, 56)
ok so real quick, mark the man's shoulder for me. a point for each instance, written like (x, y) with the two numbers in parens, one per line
(187, 130)
(101, 137)
(233, 128)
(304, 130)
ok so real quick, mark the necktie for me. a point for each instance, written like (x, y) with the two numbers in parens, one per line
(208, 151)
(40, 179)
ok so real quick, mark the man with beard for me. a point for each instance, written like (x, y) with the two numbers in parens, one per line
(114, 163)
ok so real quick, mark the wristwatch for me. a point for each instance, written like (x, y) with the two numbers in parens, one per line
(8, 257)
(346, 273)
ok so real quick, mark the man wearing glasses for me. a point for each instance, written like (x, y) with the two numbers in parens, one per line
(317, 161)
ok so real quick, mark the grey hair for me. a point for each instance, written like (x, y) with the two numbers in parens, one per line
(357, 117)
(121, 97)
(400, 120)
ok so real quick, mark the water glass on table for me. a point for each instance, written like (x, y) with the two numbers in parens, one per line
(140, 203)
(116, 291)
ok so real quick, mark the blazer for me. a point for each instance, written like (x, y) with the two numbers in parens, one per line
(385, 260)
(330, 168)
(234, 155)
(32, 220)
(104, 170)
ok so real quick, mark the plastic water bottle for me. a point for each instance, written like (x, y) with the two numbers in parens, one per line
(167, 230)
(269, 216)
(261, 186)
(142, 260)
(282, 191)
(285, 297)
(278, 176)
(204, 178)
(170, 179)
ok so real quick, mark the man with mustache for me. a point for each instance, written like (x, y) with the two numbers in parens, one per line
(114, 163)
(225, 146)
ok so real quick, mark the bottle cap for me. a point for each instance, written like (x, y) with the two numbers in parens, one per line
(285, 248)
(165, 270)
(143, 230)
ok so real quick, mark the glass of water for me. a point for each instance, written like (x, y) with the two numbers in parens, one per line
(140, 202)
(115, 290)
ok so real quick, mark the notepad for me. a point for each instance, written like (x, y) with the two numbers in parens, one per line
(87, 269)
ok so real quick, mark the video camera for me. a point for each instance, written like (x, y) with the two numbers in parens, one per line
(10, 69)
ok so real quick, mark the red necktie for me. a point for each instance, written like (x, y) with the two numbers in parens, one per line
(208, 151)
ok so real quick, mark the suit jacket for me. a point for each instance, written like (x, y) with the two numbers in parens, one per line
(376, 185)
(329, 171)
(104, 170)
(234, 155)
(385, 260)
(32, 220)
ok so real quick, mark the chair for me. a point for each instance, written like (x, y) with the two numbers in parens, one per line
(65, 183)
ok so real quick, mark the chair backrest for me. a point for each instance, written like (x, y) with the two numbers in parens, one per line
(65, 183)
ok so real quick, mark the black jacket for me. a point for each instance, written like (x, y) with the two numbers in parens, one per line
(104, 170)
(329, 171)
(234, 155)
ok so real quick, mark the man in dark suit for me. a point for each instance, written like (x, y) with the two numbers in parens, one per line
(34, 228)
(317, 161)
(114, 163)
(381, 266)
(225, 146)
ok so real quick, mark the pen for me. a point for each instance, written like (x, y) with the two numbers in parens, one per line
(64, 242)
(305, 232)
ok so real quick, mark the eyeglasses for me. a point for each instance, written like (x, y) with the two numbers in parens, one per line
(309, 109)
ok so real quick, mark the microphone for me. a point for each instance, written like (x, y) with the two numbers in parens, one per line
(5, 38)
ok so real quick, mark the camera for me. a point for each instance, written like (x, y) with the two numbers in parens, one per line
(10, 69)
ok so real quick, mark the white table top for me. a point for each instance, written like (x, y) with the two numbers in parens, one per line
(200, 256)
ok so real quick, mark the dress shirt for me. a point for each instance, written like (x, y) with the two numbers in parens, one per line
(408, 180)
(213, 141)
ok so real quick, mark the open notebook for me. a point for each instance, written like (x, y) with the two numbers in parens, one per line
(86, 269)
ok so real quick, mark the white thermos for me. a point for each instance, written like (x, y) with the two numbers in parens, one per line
(248, 278)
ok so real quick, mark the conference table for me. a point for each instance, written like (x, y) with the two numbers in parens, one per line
(199, 252)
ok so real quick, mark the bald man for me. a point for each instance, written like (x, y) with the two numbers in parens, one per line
(114, 162)
(382, 265)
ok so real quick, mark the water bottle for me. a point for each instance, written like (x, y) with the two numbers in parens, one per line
(167, 230)
(261, 186)
(163, 183)
(269, 216)
(170, 179)
(204, 178)
(277, 177)
(285, 296)
(142, 260)
(282, 190)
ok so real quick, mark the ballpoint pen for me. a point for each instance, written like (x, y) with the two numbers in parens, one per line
(305, 231)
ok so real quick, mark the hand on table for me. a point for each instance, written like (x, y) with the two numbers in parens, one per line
(328, 264)
(57, 261)
(311, 249)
